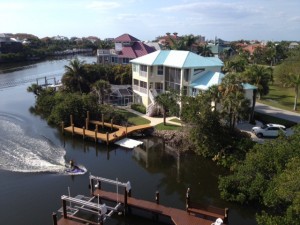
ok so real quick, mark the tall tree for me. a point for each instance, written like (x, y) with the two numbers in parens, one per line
(260, 76)
(288, 73)
(73, 77)
(103, 88)
(168, 102)
(234, 105)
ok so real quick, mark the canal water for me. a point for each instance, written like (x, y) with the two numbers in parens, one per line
(33, 155)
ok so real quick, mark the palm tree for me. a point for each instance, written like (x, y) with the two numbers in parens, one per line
(73, 78)
(168, 102)
(293, 80)
(260, 76)
(204, 51)
(103, 89)
(233, 101)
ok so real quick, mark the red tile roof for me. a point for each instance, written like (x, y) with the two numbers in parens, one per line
(136, 50)
(126, 38)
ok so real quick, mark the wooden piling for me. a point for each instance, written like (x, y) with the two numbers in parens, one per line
(62, 127)
(54, 218)
(72, 128)
(64, 203)
(125, 199)
(226, 216)
(111, 124)
(102, 119)
(87, 123)
(157, 197)
(187, 200)
(107, 138)
(83, 133)
(96, 132)
(71, 119)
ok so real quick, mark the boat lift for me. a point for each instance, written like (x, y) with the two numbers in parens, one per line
(81, 203)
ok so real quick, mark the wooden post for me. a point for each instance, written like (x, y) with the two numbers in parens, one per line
(102, 119)
(97, 128)
(54, 218)
(99, 184)
(187, 200)
(64, 203)
(71, 119)
(72, 128)
(96, 132)
(88, 115)
(226, 216)
(83, 132)
(157, 197)
(129, 193)
(107, 138)
(92, 186)
(111, 124)
(126, 129)
(87, 123)
(125, 198)
(62, 127)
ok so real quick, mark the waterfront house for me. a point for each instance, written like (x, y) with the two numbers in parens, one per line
(126, 48)
(172, 69)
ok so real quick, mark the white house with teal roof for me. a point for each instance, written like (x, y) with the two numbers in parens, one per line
(173, 69)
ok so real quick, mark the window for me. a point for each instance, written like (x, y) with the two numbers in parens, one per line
(160, 70)
(136, 82)
(143, 84)
(143, 68)
(159, 87)
(125, 60)
(198, 71)
(135, 67)
(186, 75)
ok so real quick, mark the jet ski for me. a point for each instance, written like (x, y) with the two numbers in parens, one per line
(73, 169)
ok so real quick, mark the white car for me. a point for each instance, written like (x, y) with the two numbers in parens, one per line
(268, 130)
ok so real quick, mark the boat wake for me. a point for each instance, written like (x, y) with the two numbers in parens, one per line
(24, 151)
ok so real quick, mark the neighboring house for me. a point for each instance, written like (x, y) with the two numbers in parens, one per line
(9, 44)
(251, 48)
(293, 45)
(172, 69)
(221, 51)
(126, 48)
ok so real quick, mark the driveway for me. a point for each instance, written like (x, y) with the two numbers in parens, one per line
(279, 113)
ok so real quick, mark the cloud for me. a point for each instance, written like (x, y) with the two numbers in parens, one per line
(103, 5)
(11, 6)
(215, 9)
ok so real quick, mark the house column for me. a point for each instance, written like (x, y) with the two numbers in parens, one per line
(181, 88)
(148, 84)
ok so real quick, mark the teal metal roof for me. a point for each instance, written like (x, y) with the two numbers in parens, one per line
(207, 80)
(247, 86)
(178, 59)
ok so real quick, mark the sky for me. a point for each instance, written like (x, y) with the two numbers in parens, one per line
(268, 20)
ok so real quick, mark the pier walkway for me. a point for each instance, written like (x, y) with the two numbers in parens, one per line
(125, 203)
(121, 131)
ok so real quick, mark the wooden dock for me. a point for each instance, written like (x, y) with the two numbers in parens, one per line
(120, 132)
(191, 216)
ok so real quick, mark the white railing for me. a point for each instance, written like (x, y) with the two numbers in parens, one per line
(143, 74)
(143, 90)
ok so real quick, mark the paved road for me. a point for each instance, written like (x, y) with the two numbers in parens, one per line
(280, 113)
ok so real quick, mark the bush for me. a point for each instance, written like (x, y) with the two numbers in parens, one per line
(138, 107)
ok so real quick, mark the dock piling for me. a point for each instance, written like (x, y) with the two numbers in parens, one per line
(157, 197)
(83, 133)
(111, 124)
(64, 203)
(54, 218)
(72, 129)
(102, 119)
(107, 138)
(71, 119)
(96, 131)
(62, 127)
(187, 199)
(226, 216)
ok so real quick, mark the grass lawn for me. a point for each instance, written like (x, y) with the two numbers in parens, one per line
(133, 118)
(161, 126)
(279, 97)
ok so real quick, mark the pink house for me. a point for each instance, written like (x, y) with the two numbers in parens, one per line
(126, 48)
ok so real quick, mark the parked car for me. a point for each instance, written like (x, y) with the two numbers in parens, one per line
(268, 130)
